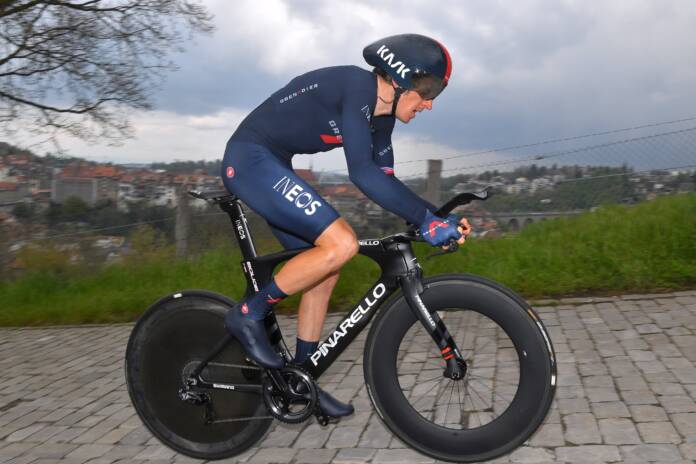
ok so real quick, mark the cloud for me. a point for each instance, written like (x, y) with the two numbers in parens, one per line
(523, 71)
(165, 136)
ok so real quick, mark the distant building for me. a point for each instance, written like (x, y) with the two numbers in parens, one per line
(325, 178)
(165, 195)
(540, 184)
(308, 176)
(11, 194)
(349, 201)
(91, 184)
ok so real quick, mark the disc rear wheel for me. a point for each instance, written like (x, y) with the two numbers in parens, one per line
(167, 344)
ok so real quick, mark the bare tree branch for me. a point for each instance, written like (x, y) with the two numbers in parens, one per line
(80, 67)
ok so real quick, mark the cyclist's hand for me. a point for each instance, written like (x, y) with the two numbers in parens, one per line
(439, 231)
(464, 228)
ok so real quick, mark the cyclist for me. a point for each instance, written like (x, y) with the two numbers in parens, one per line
(323, 109)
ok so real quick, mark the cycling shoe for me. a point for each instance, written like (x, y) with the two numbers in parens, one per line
(328, 405)
(252, 335)
(331, 407)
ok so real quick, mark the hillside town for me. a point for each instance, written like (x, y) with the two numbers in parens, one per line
(40, 184)
(28, 179)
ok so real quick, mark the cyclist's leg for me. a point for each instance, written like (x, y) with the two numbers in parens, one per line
(310, 321)
(315, 299)
(271, 188)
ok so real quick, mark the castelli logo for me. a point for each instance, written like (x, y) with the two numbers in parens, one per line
(230, 171)
(245, 309)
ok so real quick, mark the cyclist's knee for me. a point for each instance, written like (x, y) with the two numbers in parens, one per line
(340, 242)
(340, 252)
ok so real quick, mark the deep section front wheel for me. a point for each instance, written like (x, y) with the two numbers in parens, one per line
(169, 341)
(510, 376)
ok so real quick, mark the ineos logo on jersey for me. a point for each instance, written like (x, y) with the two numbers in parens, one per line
(294, 193)
(388, 58)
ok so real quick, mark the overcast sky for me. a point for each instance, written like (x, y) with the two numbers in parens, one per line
(523, 72)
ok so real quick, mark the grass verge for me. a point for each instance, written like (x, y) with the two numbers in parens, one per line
(644, 248)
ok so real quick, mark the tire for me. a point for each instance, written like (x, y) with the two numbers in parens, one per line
(506, 392)
(169, 340)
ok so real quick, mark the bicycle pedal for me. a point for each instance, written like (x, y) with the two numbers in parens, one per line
(325, 420)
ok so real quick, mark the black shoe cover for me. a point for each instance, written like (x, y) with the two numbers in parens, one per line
(331, 407)
(252, 335)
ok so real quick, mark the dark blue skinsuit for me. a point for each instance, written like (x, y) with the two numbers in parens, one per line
(316, 112)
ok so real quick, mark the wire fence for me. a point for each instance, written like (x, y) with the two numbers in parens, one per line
(562, 175)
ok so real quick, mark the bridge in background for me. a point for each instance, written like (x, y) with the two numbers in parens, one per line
(517, 220)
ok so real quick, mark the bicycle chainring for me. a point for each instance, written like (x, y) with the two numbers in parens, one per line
(298, 403)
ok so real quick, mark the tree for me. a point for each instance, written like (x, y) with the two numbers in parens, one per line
(23, 211)
(80, 67)
(75, 208)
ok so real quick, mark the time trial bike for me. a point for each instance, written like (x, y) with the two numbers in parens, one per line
(457, 366)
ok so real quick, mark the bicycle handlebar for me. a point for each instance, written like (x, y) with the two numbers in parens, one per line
(461, 200)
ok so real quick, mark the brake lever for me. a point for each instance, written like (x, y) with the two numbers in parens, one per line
(451, 248)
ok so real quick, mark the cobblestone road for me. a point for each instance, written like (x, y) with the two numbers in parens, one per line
(626, 393)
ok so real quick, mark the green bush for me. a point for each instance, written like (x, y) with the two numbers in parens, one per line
(644, 248)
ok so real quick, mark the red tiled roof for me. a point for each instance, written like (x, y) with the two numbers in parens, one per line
(341, 190)
(306, 174)
(8, 186)
(74, 170)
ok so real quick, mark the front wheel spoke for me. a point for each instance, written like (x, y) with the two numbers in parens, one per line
(445, 421)
(437, 377)
(474, 415)
(499, 395)
(461, 408)
(497, 381)
(473, 406)
(473, 392)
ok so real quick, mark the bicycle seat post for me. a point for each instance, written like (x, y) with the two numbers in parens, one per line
(241, 228)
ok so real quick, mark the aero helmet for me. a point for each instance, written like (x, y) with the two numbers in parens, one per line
(408, 56)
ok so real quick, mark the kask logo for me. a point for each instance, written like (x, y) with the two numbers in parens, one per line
(388, 58)
(294, 193)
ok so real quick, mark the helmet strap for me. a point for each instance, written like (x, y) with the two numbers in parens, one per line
(397, 94)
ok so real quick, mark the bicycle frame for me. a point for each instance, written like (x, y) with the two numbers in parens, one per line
(400, 270)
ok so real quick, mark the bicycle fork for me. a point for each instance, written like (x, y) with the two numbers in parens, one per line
(412, 287)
